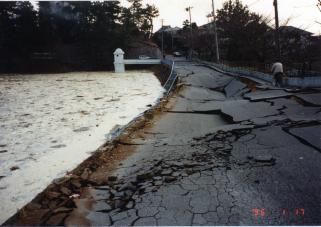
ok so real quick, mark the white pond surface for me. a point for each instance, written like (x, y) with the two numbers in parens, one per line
(51, 123)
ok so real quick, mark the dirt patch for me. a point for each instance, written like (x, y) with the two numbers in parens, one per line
(250, 84)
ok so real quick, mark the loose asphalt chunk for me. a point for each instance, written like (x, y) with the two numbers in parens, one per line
(297, 112)
(242, 112)
(311, 134)
(284, 102)
(269, 94)
(268, 120)
(234, 87)
(207, 80)
(264, 158)
(311, 98)
(204, 94)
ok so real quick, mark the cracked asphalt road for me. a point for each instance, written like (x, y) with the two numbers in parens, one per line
(214, 160)
(251, 157)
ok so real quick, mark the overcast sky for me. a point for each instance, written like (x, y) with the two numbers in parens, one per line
(303, 13)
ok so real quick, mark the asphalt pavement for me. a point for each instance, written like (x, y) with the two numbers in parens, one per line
(223, 154)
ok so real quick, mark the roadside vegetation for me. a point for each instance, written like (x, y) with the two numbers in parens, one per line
(246, 39)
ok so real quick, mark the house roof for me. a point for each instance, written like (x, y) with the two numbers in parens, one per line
(169, 29)
(295, 29)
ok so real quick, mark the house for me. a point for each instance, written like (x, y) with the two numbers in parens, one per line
(169, 29)
(295, 35)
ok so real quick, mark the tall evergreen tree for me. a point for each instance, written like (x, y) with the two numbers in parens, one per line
(244, 32)
(89, 30)
(18, 25)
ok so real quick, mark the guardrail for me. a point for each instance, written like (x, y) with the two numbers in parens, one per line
(142, 61)
(172, 77)
(167, 86)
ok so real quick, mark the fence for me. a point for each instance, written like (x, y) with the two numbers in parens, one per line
(239, 71)
(291, 69)
(304, 82)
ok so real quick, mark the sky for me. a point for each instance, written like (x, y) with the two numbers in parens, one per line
(303, 13)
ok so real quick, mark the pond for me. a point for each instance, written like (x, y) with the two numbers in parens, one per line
(50, 123)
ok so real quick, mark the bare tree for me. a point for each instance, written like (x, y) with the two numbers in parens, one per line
(287, 21)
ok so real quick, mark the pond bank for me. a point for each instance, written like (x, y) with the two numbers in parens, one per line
(52, 123)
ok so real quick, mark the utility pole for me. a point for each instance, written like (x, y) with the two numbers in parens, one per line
(277, 34)
(320, 35)
(162, 20)
(190, 25)
(215, 33)
(172, 41)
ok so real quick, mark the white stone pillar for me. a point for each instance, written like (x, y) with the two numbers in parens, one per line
(119, 61)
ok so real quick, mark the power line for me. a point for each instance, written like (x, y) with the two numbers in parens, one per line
(255, 2)
(304, 6)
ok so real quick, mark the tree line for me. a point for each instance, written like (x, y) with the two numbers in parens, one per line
(245, 37)
(86, 31)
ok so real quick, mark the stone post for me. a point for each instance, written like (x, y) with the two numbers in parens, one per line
(119, 61)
